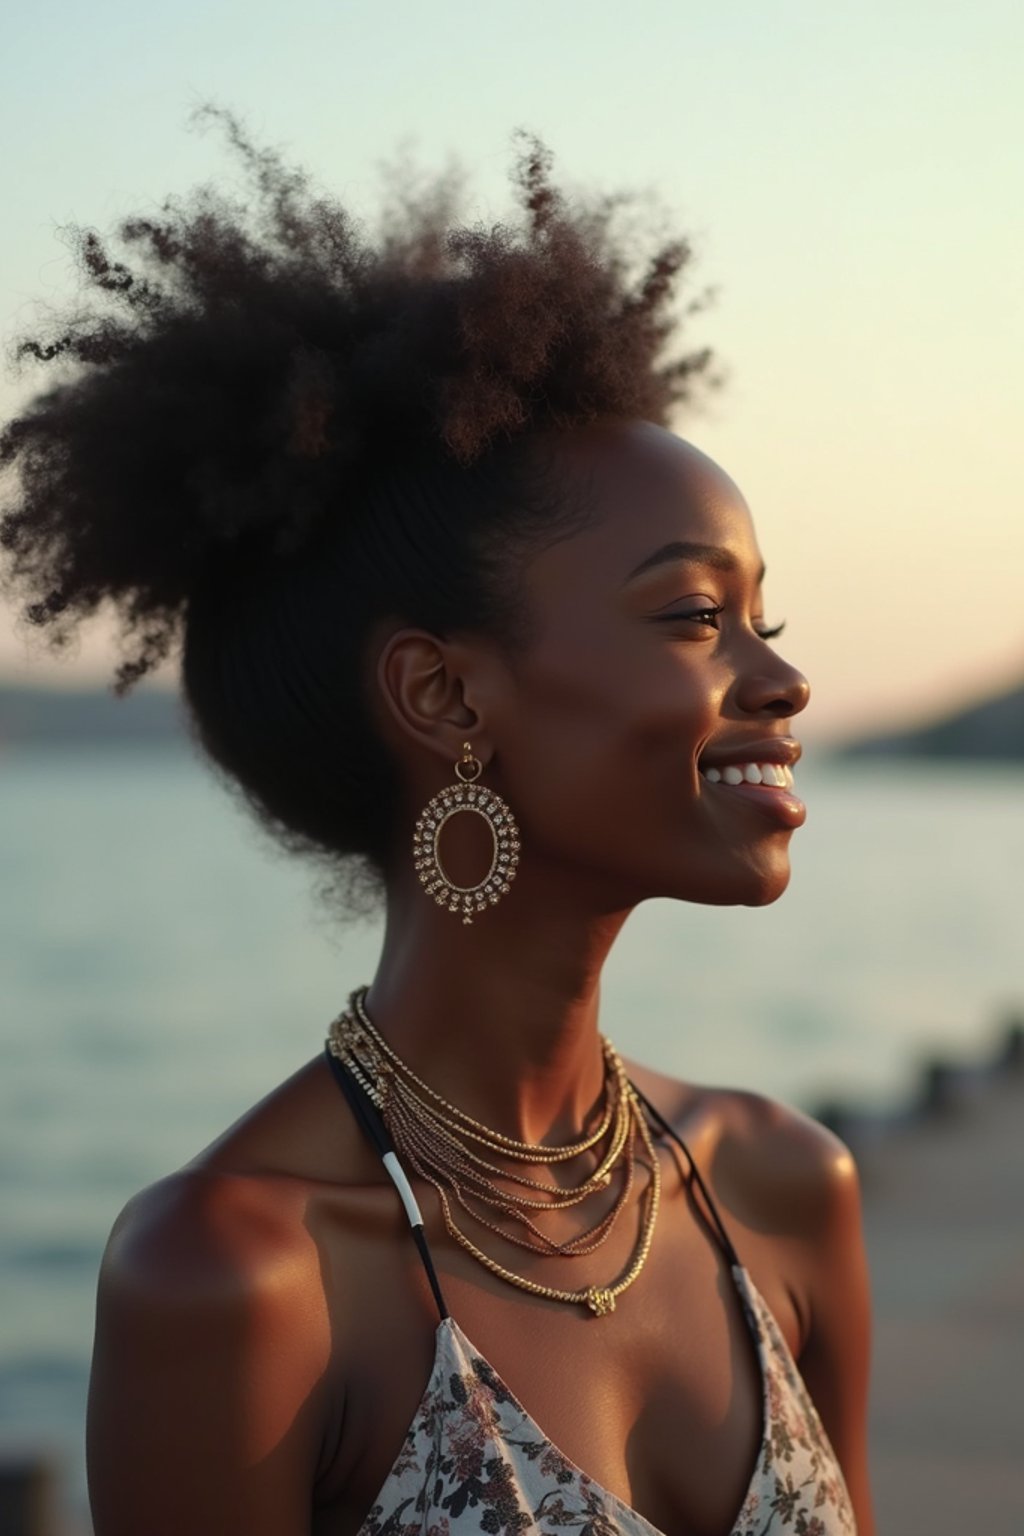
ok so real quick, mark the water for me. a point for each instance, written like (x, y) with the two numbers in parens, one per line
(162, 969)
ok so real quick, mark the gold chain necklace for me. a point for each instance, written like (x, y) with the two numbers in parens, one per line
(586, 1242)
(525, 1150)
(446, 1147)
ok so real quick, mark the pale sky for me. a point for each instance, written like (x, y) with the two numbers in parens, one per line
(852, 177)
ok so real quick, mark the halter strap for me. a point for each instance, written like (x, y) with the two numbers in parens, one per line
(373, 1127)
(663, 1124)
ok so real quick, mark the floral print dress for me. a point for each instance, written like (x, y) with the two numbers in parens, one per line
(474, 1461)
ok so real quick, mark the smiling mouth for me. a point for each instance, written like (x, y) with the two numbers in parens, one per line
(769, 775)
(768, 786)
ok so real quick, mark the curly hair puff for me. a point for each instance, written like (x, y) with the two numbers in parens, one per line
(274, 430)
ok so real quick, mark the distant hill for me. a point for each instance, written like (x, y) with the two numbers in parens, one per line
(992, 729)
(74, 717)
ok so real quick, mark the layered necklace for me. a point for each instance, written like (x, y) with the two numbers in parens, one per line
(455, 1153)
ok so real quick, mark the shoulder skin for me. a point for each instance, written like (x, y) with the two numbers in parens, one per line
(206, 1402)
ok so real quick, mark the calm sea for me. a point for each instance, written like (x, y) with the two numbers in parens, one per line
(161, 969)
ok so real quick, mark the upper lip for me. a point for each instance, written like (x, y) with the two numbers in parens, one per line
(774, 749)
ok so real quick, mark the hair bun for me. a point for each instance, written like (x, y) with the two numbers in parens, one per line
(238, 379)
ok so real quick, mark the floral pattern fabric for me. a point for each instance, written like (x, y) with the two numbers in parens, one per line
(474, 1461)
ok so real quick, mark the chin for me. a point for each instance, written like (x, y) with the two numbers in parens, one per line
(766, 896)
(751, 887)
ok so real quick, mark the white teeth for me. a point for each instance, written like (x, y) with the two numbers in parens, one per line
(777, 775)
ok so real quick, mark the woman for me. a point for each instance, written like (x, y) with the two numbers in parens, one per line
(464, 622)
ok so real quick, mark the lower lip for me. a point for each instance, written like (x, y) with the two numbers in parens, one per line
(780, 804)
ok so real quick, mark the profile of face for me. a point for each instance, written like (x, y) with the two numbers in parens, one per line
(647, 657)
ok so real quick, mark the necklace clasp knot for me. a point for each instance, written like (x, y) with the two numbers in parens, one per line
(600, 1301)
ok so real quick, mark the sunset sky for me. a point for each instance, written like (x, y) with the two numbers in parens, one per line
(852, 177)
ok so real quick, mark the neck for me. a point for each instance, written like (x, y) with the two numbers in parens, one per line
(501, 1017)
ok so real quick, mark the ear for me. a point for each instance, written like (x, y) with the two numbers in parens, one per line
(423, 684)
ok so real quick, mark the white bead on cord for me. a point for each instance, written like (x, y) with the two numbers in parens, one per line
(401, 1183)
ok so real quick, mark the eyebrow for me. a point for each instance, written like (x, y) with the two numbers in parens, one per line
(698, 554)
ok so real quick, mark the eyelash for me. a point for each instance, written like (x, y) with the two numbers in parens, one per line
(708, 615)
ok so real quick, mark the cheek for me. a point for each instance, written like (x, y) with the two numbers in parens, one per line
(598, 762)
(606, 740)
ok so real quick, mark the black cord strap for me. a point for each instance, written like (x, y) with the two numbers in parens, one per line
(372, 1126)
(659, 1118)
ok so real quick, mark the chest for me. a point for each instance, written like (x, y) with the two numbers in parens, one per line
(659, 1406)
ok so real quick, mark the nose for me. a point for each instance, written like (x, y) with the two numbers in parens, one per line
(770, 686)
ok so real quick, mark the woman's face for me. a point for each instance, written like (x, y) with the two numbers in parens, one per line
(629, 686)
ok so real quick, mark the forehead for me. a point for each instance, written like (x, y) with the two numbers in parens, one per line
(642, 488)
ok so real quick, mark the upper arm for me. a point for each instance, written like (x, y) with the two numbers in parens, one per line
(835, 1358)
(205, 1407)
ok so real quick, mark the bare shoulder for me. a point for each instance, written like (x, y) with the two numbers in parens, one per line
(237, 1239)
(200, 1236)
(217, 1265)
(776, 1168)
(240, 1220)
(783, 1169)
(204, 1394)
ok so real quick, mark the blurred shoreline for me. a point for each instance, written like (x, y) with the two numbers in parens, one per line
(986, 725)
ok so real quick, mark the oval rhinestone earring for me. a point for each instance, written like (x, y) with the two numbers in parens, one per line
(466, 795)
